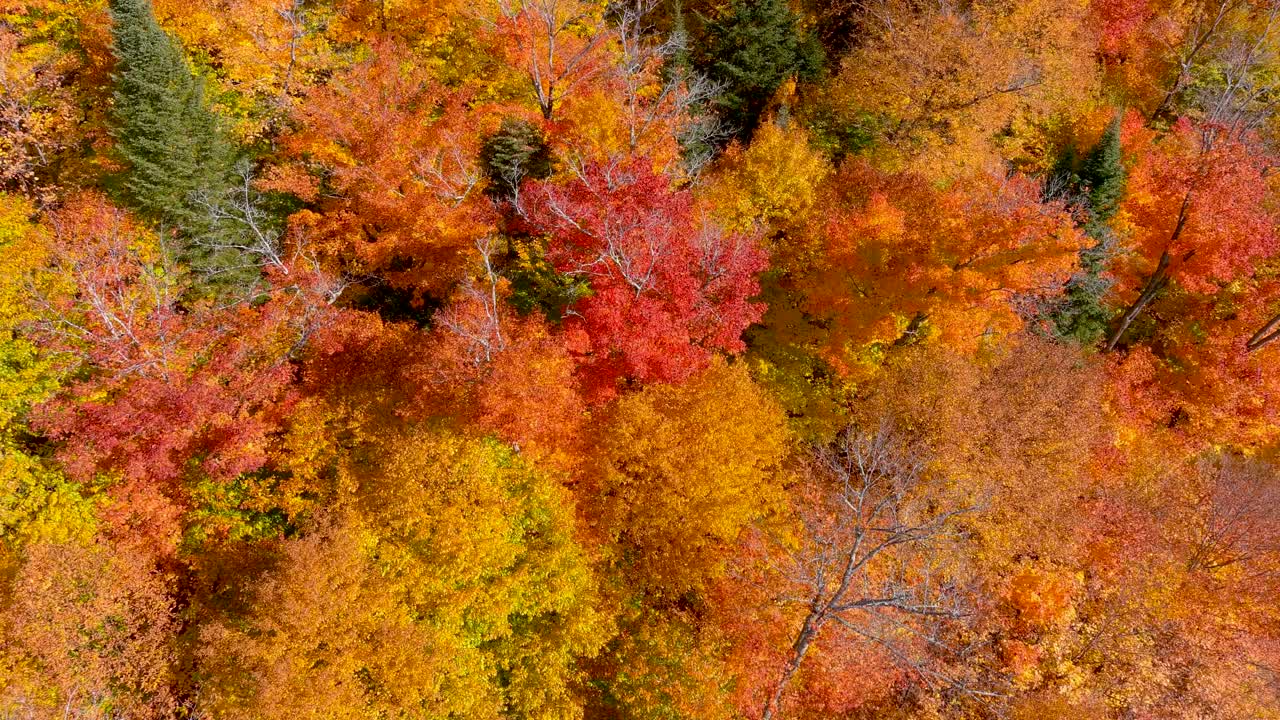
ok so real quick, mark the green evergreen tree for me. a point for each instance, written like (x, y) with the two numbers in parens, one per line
(1083, 314)
(680, 61)
(518, 150)
(751, 48)
(1102, 175)
(178, 159)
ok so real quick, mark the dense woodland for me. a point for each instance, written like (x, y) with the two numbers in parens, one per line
(640, 359)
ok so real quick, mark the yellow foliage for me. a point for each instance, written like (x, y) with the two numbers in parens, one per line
(35, 502)
(483, 545)
(595, 125)
(1041, 598)
(772, 182)
(680, 471)
(454, 586)
(667, 666)
(332, 639)
(940, 83)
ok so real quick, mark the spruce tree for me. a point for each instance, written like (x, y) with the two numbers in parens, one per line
(166, 133)
(518, 150)
(680, 61)
(1083, 315)
(1103, 176)
(751, 48)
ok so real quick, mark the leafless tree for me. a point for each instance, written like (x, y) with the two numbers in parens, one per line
(1247, 93)
(448, 169)
(869, 560)
(240, 224)
(682, 98)
(1200, 40)
(635, 247)
(123, 315)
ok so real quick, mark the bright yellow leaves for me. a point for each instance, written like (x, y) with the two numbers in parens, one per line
(331, 639)
(680, 471)
(35, 501)
(452, 586)
(772, 182)
(263, 55)
(23, 250)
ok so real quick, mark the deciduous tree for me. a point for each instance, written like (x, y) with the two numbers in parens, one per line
(899, 261)
(402, 156)
(1196, 203)
(89, 631)
(668, 287)
(678, 473)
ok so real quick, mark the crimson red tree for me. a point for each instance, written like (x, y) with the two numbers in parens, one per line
(667, 287)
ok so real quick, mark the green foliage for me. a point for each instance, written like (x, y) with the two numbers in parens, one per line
(1083, 315)
(836, 136)
(165, 132)
(517, 151)
(227, 510)
(1098, 187)
(36, 503)
(1103, 176)
(536, 285)
(752, 47)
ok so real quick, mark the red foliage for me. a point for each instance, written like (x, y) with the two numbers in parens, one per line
(1202, 230)
(166, 385)
(1118, 23)
(667, 287)
(1201, 198)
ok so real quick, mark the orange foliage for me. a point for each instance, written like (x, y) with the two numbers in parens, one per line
(401, 155)
(942, 80)
(88, 630)
(660, 426)
(678, 472)
(900, 260)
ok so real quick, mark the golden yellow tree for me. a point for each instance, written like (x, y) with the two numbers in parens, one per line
(679, 471)
(453, 587)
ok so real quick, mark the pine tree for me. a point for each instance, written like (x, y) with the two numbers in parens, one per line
(1083, 315)
(680, 61)
(751, 48)
(1102, 175)
(166, 133)
(517, 151)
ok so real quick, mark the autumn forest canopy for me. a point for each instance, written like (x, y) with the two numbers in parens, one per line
(640, 359)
